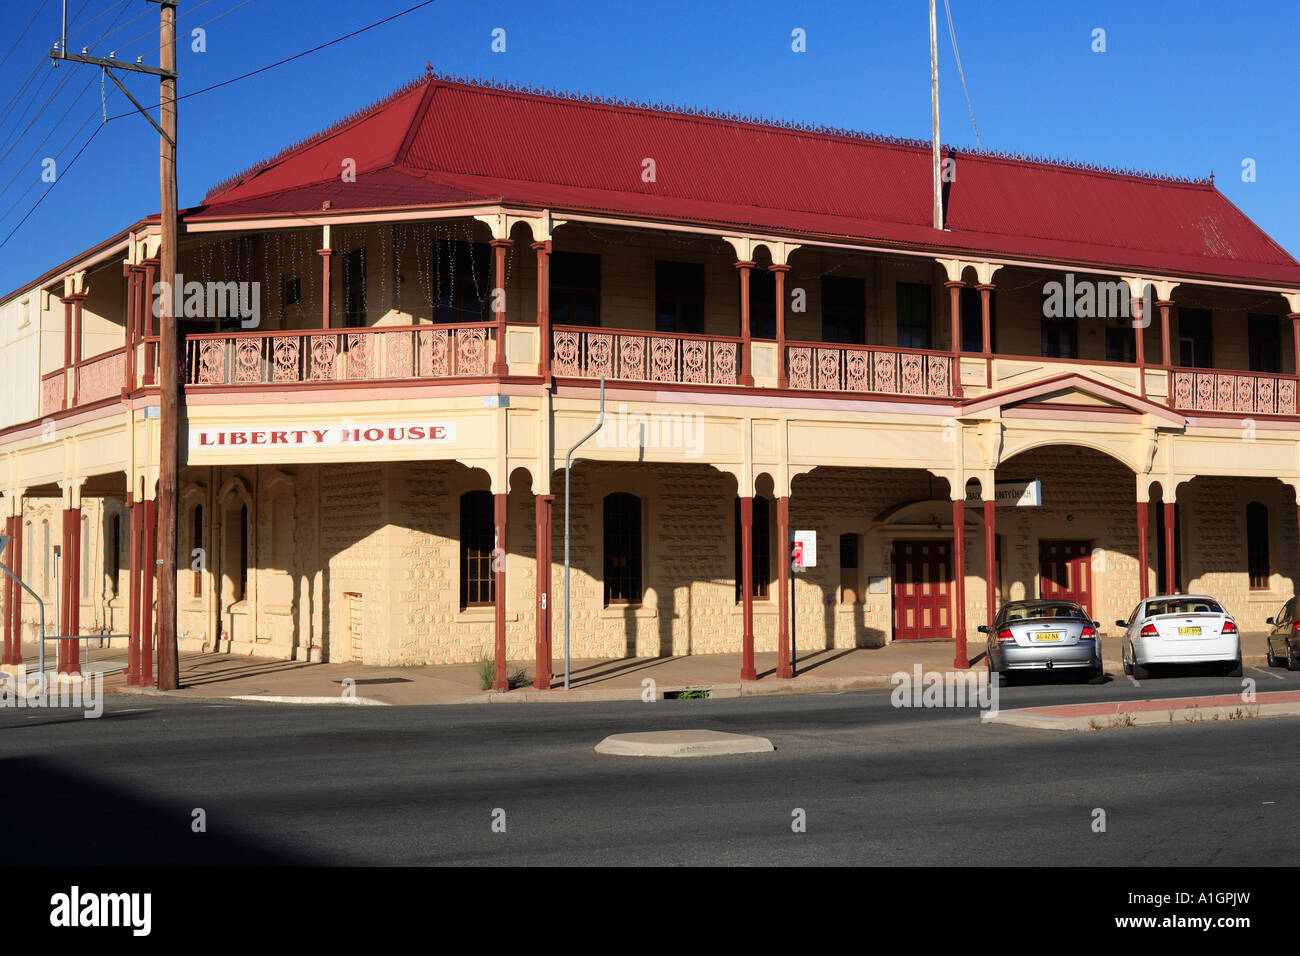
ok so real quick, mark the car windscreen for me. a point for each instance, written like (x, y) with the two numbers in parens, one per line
(1183, 606)
(1036, 612)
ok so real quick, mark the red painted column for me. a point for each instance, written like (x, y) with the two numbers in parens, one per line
(67, 331)
(70, 619)
(499, 503)
(1144, 552)
(325, 256)
(1139, 334)
(1166, 354)
(783, 552)
(543, 313)
(747, 671)
(778, 277)
(499, 246)
(1171, 575)
(986, 319)
(77, 303)
(128, 278)
(7, 557)
(542, 673)
(14, 609)
(959, 581)
(954, 309)
(135, 510)
(146, 317)
(990, 560)
(148, 565)
(1295, 339)
(746, 359)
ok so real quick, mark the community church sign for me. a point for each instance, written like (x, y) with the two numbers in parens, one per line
(240, 438)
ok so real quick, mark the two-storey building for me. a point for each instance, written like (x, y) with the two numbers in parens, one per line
(395, 333)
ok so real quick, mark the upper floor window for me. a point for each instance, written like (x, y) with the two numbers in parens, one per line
(761, 550)
(575, 288)
(844, 309)
(762, 304)
(1060, 337)
(354, 288)
(679, 297)
(462, 281)
(972, 320)
(912, 301)
(1257, 559)
(477, 541)
(1265, 343)
(622, 549)
(1121, 345)
(1195, 338)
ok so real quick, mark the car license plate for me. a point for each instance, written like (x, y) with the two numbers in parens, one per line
(1189, 630)
(1048, 636)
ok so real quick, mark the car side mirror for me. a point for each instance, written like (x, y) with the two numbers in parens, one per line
(1097, 625)
(1121, 623)
(1270, 621)
(983, 628)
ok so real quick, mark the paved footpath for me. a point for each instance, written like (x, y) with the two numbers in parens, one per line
(205, 676)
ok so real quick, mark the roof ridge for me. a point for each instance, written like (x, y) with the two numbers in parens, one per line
(676, 109)
(818, 128)
(314, 138)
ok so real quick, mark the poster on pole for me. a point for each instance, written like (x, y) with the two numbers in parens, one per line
(803, 550)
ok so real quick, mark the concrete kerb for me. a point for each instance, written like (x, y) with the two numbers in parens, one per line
(814, 685)
(1168, 711)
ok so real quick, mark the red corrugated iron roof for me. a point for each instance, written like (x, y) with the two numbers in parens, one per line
(438, 141)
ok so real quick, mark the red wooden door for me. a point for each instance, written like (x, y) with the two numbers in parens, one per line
(1065, 571)
(922, 590)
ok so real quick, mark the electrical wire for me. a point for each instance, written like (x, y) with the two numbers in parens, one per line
(952, 35)
(66, 169)
(43, 5)
(288, 59)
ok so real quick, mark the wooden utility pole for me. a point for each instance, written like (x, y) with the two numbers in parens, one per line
(169, 359)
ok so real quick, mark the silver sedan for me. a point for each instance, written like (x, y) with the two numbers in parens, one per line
(1043, 635)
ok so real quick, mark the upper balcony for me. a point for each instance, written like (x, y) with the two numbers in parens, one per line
(669, 311)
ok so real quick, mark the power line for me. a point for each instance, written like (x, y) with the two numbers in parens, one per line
(288, 59)
(952, 35)
(66, 170)
(43, 5)
(102, 13)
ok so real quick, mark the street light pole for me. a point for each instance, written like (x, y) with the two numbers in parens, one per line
(568, 467)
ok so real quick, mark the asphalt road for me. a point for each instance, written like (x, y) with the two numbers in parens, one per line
(419, 785)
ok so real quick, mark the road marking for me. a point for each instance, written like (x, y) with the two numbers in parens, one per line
(1260, 670)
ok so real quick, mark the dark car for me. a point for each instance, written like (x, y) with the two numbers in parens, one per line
(1284, 638)
(1043, 635)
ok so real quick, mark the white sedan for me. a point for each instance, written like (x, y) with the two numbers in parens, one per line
(1180, 629)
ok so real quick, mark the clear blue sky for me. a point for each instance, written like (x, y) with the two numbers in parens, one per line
(1182, 88)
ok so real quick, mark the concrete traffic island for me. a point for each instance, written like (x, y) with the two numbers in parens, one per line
(683, 743)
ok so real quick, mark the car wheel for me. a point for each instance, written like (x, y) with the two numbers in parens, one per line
(1292, 664)
(1139, 672)
(1127, 667)
(1272, 658)
(1234, 669)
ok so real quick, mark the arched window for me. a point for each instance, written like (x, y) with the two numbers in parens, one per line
(1257, 546)
(850, 582)
(196, 542)
(477, 540)
(113, 553)
(622, 549)
(242, 583)
(761, 550)
(85, 556)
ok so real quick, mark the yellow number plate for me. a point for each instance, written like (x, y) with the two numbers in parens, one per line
(1189, 630)
(1048, 636)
